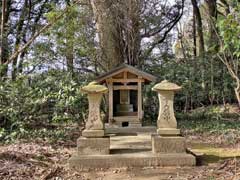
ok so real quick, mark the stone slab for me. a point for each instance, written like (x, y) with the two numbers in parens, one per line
(168, 131)
(135, 125)
(131, 160)
(125, 130)
(165, 144)
(90, 146)
(93, 133)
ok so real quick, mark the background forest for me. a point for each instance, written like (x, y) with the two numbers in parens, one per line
(50, 48)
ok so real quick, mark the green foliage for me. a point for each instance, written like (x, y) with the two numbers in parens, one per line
(208, 120)
(48, 98)
(187, 73)
(229, 28)
(73, 31)
(151, 104)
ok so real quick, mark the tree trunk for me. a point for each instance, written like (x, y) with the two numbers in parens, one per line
(201, 48)
(213, 39)
(20, 64)
(212, 97)
(70, 56)
(212, 12)
(133, 40)
(19, 37)
(194, 35)
(199, 27)
(237, 91)
(4, 43)
(108, 33)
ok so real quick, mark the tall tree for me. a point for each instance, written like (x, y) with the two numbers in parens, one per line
(212, 39)
(19, 35)
(108, 33)
(4, 43)
(198, 17)
(124, 26)
(212, 19)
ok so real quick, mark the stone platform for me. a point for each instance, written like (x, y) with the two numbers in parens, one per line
(140, 159)
(131, 151)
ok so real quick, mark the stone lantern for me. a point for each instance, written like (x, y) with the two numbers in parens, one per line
(168, 138)
(94, 125)
(93, 140)
(166, 123)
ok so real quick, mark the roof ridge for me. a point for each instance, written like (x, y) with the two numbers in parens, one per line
(118, 68)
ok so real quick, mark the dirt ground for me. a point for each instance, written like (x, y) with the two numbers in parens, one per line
(39, 159)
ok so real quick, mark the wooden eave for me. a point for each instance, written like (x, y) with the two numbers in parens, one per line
(122, 68)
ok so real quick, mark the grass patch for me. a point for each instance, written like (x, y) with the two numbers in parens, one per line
(212, 154)
(51, 135)
(206, 122)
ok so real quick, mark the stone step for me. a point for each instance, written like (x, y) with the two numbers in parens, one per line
(126, 130)
(138, 159)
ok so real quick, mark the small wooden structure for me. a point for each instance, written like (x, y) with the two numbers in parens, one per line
(125, 94)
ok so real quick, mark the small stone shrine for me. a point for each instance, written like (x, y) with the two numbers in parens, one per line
(125, 104)
(167, 147)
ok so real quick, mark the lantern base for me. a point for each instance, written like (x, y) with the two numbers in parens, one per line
(168, 131)
(93, 133)
(93, 146)
(168, 144)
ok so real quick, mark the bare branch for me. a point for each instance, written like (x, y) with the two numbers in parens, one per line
(31, 40)
(161, 40)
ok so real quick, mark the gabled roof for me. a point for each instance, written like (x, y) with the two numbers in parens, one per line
(125, 67)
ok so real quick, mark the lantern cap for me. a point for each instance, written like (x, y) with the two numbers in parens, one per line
(94, 87)
(166, 86)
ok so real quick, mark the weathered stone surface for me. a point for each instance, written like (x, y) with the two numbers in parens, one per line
(168, 144)
(168, 131)
(93, 87)
(131, 151)
(131, 160)
(166, 86)
(93, 146)
(94, 122)
(93, 133)
(166, 117)
(128, 130)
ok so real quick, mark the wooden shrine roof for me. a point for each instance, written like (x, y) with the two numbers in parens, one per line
(123, 68)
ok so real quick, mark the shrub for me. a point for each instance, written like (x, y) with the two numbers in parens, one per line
(32, 102)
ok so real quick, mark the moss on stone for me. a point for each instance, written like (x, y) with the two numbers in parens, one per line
(93, 87)
(220, 152)
(213, 154)
(166, 86)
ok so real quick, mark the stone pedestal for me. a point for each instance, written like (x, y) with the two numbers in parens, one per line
(93, 146)
(168, 144)
(168, 131)
(93, 133)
